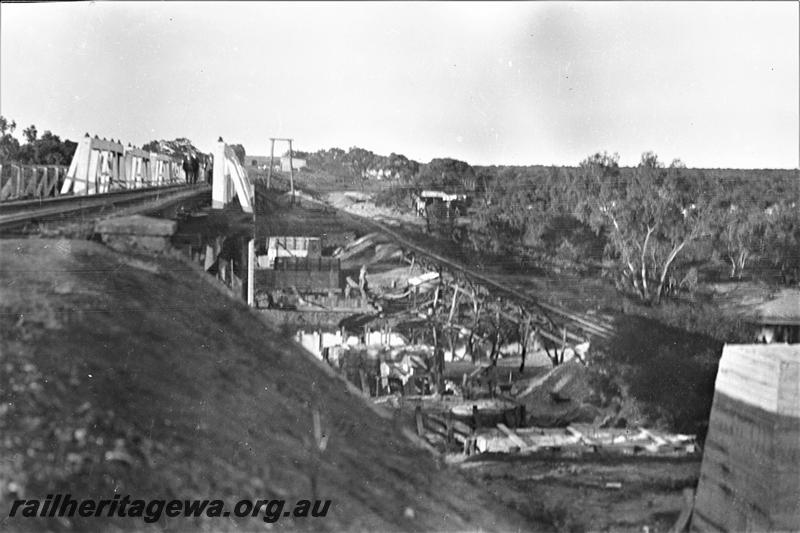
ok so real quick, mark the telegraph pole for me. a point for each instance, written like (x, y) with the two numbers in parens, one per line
(291, 164)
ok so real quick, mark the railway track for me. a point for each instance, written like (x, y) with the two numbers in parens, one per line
(580, 327)
(590, 327)
(18, 214)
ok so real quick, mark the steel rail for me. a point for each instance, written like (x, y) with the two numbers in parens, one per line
(18, 213)
(588, 326)
(580, 322)
(8, 206)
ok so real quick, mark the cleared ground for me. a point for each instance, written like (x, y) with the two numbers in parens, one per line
(590, 494)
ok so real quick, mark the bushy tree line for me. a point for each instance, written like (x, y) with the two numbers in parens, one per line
(183, 148)
(655, 219)
(655, 223)
(47, 149)
(361, 164)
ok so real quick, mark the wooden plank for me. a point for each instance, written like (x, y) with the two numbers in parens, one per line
(655, 438)
(571, 430)
(459, 428)
(364, 382)
(513, 437)
(137, 152)
(106, 146)
(419, 421)
(682, 523)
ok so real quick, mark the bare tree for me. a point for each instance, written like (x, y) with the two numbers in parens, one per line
(650, 216)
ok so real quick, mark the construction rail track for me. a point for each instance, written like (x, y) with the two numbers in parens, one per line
(555, 315)
(20, 213)
(559, 325)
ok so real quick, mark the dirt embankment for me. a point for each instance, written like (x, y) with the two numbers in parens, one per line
(123, 375)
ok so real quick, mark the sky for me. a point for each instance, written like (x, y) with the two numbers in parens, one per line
(714, 84)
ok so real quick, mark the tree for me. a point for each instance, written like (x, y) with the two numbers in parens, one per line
(152, 146)
(402, 168)
(50, 150)
(448, 175)
(782, 236)
(739, 232)
(6, 126)
(9, 146)
(30, 133)
(650, 217)
(487, 184)
(238, 149)
(359, 161)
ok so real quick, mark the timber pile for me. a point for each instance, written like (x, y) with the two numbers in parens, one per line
(359, 247)
(446, 429)
(579, 439)
(750, 477)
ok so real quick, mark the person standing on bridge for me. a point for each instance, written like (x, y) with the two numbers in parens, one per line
(187, 168)
(195, 162)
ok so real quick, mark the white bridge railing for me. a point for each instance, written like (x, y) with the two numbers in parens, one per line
(27, 182)
(230, 180)
(101, 166)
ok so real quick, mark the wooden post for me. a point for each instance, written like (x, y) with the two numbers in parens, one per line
(219, 194)
(453, 304)
(271, 161)
(291, 170)
(450, 429)
(114, 179)
(364, 382)
(45, 184)
(19, 180)
(251, 259)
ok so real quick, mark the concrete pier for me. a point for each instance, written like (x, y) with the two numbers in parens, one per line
(750, 477)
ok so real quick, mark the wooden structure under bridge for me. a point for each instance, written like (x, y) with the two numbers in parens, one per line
(463, 300)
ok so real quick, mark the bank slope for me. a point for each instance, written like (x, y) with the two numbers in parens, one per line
(134, 375)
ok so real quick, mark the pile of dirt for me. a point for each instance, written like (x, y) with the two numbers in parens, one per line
(362, 205)
(558, 398)
(122, 375)
(656, 375)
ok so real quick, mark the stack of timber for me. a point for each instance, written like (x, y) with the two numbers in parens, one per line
(750, 477)
(448, 429)
(579, 439)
